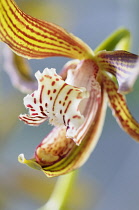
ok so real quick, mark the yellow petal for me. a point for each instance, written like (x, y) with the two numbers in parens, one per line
(66, 157)
(30, 163)
(34, 38)
(123, 65)
(120, 110)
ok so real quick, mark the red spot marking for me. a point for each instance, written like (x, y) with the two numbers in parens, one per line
(76, 116)
(53, 83)
(44, 114)
(41, 79)
(32, 110)
(54, 91)
(57, 79)
(60, 111)
(79, 96)
(64, 119)
(41, 108)
(46, 104)
(51, 98)
(69, 91)
(64, 104)
(40, 117)
(42, 111)
(67, 107)
(29, 106)
(48, 92)
(66, 98)
(68, 121)
(35, 114)
(59, 102)
(32, 94)
(41, 94)
(58, 95)
(35, 101)
(47, 76)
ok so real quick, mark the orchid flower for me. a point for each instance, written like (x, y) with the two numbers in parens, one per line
(76, 100)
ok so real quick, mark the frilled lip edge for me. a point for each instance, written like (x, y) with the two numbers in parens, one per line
(79, 154)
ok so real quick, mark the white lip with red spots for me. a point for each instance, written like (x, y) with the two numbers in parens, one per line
(55, 100)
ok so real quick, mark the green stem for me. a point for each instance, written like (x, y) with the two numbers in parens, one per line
(118, 36)
(61, 192)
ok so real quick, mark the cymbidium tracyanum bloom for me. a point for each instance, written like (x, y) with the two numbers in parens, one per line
(76, 101)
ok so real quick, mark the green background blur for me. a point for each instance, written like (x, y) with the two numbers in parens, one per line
(110, 178)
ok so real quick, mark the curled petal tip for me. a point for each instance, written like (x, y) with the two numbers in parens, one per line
(21, 158)
(30, 163)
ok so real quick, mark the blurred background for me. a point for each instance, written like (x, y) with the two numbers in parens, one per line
(110, 178)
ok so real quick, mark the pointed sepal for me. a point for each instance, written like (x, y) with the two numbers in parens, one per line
(34, 38)
(121, 64)
(120, 110)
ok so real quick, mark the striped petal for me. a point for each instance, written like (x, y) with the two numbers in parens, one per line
(56, 157)
(120, 110)
(85, 74)
(34, 38)
(19, 72)
(123, 65)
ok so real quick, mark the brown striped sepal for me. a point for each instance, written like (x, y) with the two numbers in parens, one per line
(19, 71)
(57, 155)
(56, 100)
(34, 38)
(122, 64)
(120, 110)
